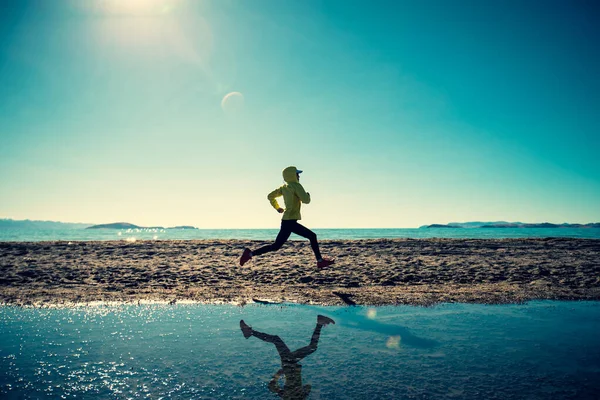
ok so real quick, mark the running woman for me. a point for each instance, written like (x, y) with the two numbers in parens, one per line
(293, 196)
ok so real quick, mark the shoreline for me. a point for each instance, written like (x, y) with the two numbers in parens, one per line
(367, 272)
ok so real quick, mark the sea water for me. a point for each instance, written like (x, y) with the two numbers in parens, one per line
(269, 234)
(538, 350)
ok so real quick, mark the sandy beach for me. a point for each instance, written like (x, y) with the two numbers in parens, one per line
(367, 272)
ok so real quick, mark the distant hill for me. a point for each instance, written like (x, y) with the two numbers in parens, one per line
(115, 225)
(7, 223)
(442, 226)
(479, 224)
(127, 225)
(543, 225)
(504, 224)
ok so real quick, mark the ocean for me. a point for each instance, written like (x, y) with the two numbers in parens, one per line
(538, 350)
(269, 234)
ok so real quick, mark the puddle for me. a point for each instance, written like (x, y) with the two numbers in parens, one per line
(539, 350)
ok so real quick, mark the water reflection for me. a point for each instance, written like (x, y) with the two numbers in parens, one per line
(371, 321)
(396, 333)
(290, 370)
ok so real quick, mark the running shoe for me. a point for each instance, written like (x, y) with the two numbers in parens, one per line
(247, 255)
(325, 263)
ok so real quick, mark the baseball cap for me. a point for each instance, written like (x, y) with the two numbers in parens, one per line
(298, 171)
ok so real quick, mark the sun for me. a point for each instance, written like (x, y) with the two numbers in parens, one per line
(135, 7)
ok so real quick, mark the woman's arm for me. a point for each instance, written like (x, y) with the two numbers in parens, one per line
(274, 384)
(301, 193)
(272, 197)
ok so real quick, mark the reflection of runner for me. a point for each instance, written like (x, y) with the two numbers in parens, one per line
(293, 196)
(290, 369)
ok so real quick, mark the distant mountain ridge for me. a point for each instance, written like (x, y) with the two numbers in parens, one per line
(504, 224)
(127, 225)
(114, 225)
(7, 223)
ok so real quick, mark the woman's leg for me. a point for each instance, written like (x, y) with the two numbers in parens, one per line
(312, 346)
(314, 340)
(303, 231)
(284, 352)
(282, 236)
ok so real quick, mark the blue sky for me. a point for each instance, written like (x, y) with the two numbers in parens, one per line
(400, 113)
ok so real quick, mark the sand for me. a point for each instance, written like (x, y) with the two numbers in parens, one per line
(367, 272)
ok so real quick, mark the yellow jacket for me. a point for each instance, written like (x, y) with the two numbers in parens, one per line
(293, 195)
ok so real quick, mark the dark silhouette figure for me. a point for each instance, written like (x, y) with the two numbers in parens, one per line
(346, 298)
(291, 370)
(293, 195)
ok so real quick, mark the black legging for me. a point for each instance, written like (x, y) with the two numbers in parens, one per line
(289, 226)
(288, 356)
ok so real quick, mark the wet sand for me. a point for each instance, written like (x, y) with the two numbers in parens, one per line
(373, 272)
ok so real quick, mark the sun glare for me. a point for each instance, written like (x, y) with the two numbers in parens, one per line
(135, 7)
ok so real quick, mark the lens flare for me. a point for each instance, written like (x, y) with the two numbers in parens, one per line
(372, 313)
(393, 342)
(233, 103)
